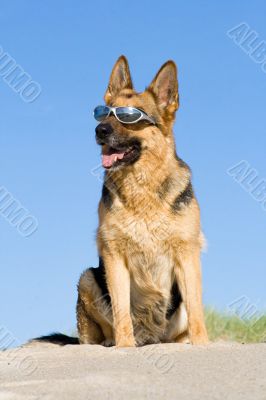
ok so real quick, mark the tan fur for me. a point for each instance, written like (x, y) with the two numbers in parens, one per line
(144, 244)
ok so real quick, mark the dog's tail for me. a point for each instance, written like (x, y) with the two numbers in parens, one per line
(56, 338)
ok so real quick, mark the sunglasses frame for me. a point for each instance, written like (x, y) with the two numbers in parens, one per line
(143, 115)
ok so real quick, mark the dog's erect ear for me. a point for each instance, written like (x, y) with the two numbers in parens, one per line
(165, 87)
(120, 79)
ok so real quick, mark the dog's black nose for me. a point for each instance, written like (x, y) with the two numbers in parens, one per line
(103, 130)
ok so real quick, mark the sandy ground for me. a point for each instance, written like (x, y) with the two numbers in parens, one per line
(166, 371)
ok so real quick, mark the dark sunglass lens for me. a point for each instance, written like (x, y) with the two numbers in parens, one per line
(101, 112)
(128, 114)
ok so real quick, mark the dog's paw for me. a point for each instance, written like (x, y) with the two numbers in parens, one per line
(184, 339)
(108, 343)
(199, 340)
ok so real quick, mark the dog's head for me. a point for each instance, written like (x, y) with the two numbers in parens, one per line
(125, 144)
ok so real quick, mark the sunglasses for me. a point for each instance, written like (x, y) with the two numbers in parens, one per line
(126, 115)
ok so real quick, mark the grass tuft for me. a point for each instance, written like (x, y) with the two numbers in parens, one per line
(222, 326)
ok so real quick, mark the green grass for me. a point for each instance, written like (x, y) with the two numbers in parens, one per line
(222, 326)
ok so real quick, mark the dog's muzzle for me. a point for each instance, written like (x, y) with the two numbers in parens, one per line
(117, 150)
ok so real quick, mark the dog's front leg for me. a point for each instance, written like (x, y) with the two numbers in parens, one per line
(118, 282)
(188, 273)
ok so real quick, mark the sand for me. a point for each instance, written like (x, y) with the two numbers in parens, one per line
(166, 371)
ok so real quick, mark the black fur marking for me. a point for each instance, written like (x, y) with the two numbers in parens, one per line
(183, 199)
(176, 300)
(99, 276)
(181, 163)
(136, 144)
(57, 338)
(107, 197)
(164, 188)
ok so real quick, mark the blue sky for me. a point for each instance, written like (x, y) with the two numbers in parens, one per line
(47, 147)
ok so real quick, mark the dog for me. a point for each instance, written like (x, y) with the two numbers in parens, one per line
(147, 287)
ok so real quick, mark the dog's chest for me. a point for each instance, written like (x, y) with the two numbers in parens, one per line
(151, 269)
(147, 224)
(146, 235)
(148, 250)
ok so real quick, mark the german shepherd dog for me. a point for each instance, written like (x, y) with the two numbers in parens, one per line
(147, 288)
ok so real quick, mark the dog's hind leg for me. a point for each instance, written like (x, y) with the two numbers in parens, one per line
(88, 330)
(94, 319)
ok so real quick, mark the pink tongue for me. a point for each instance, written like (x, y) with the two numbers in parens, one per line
(109, 159)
